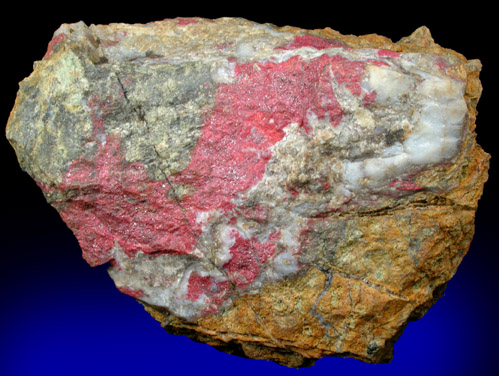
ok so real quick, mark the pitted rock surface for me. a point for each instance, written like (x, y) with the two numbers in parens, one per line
(277, 193)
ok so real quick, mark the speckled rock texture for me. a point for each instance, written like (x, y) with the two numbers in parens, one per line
(276, 193)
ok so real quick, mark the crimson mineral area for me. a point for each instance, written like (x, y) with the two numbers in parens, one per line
(277, 193)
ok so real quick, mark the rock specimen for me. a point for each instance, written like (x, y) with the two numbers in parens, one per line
(277, 193)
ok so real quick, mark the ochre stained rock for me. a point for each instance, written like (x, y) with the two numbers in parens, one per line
(277, 193)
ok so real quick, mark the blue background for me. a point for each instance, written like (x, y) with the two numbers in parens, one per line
(58, 316)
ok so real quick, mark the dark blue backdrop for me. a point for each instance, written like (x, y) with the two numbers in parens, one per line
(58, 316)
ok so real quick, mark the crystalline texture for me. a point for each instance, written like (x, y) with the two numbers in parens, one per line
(282, 193)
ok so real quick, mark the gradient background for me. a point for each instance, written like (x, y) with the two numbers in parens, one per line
(58, 316)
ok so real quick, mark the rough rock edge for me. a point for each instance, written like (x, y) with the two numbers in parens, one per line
(419, 41)
(285, 357)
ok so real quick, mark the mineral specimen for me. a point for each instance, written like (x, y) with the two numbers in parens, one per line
(277, 193)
